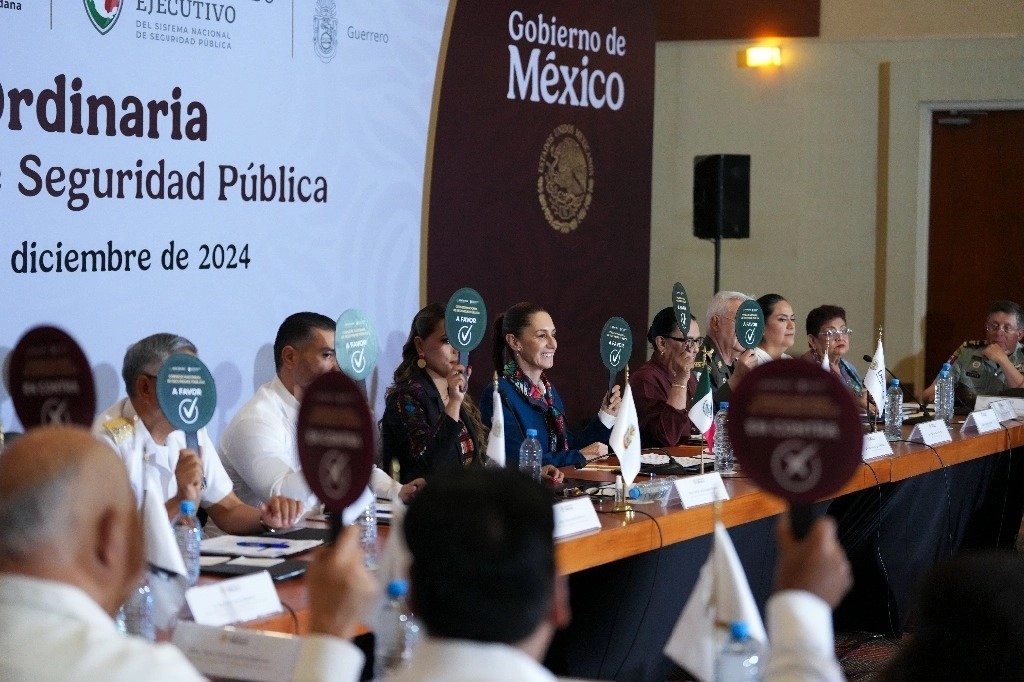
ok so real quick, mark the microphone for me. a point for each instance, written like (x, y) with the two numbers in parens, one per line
(925, 411)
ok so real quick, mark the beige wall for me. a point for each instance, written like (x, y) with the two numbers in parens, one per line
(860, 19)
(812, 130)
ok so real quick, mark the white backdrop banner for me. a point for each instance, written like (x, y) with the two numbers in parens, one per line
(208, 168)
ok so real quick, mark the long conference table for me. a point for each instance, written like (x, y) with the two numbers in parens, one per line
(898, 515)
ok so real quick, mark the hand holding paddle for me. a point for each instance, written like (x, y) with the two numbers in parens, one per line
(796, 432)
(335, 442)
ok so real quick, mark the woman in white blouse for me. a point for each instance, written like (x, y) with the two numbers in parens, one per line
(779, 328)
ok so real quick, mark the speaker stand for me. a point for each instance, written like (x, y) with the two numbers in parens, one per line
(718, 260)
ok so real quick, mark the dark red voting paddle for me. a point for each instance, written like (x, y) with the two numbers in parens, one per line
(336, 443)
(796, 432)
(50, 380)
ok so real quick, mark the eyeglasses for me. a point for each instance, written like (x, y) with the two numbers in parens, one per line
(688, 341)
(1005, 328)
(830, 332)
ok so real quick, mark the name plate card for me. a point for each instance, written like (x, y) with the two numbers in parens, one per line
(876, 445)
(695, 491)
(1005, 408)
(931, 433)
(230, 654)
(981, 421)
(235, 600)
(575, 516)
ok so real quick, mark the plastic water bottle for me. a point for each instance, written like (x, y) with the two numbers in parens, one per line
(654, 490)
(189, 534)
(944, 395)
(368, 535)
(530, 455)
(740, 658)
(722, 446)
(135, 616)
(894, 411)
(396, 633)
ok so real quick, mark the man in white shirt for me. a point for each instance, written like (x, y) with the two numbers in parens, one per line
(483, 581)
(150, 445)
(259, 447)
(71, 552)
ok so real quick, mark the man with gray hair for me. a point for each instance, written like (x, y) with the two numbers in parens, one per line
(150, 446)
(71, 552)
(725, 360)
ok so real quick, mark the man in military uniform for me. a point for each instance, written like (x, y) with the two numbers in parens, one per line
(152, 448)
(991, 366)
(725, 360)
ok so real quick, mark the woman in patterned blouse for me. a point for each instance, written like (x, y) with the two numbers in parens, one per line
(430, 423)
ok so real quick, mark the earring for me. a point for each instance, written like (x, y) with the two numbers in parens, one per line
(421, 363)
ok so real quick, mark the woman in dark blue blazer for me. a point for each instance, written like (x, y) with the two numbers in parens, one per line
(524, 349)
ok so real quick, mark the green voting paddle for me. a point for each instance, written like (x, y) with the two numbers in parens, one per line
(187, 395)
(749, 324)
(355, 344)
(681, 308)
(465, 322)
(616, 347)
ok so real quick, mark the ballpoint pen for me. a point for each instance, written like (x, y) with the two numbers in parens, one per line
(264, 545)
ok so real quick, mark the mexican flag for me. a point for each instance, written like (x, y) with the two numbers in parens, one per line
(702, 414)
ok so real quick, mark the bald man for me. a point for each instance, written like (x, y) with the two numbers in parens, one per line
(71, 553)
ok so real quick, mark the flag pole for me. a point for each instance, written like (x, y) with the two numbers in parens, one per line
(622, 495)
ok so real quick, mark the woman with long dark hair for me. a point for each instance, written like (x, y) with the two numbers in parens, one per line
(430, 423)
(524, 349)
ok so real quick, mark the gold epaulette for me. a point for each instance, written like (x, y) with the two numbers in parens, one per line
(120, 429)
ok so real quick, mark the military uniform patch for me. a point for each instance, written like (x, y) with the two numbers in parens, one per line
(120, 429)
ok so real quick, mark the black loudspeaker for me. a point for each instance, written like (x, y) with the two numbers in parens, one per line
(721, 196)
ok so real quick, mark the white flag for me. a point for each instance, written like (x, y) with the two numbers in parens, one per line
(496, 438)
(722, 595)
(702, 412)
(625, 438)
(874, 382)
(161, 547)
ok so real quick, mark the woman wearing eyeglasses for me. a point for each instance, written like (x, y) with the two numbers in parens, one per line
(664, 385)
(779, 329)
(827, 333)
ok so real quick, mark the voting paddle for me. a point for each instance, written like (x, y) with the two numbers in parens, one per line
(187, 395)
(335, 442)
(355, 344)
(616, 347)
(465, 322)
(796, 432)
(681, 308)
(749, 324)
(50, 380)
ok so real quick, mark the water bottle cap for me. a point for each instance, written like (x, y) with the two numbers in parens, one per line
(531, 433)
(946, 366)
(944, 373)
(895, 382)
(738, 630)
(724, 405)
(397, 589)
(634, 493)
(187, 507)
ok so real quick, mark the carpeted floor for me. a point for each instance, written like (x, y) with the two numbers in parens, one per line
(864, 654)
